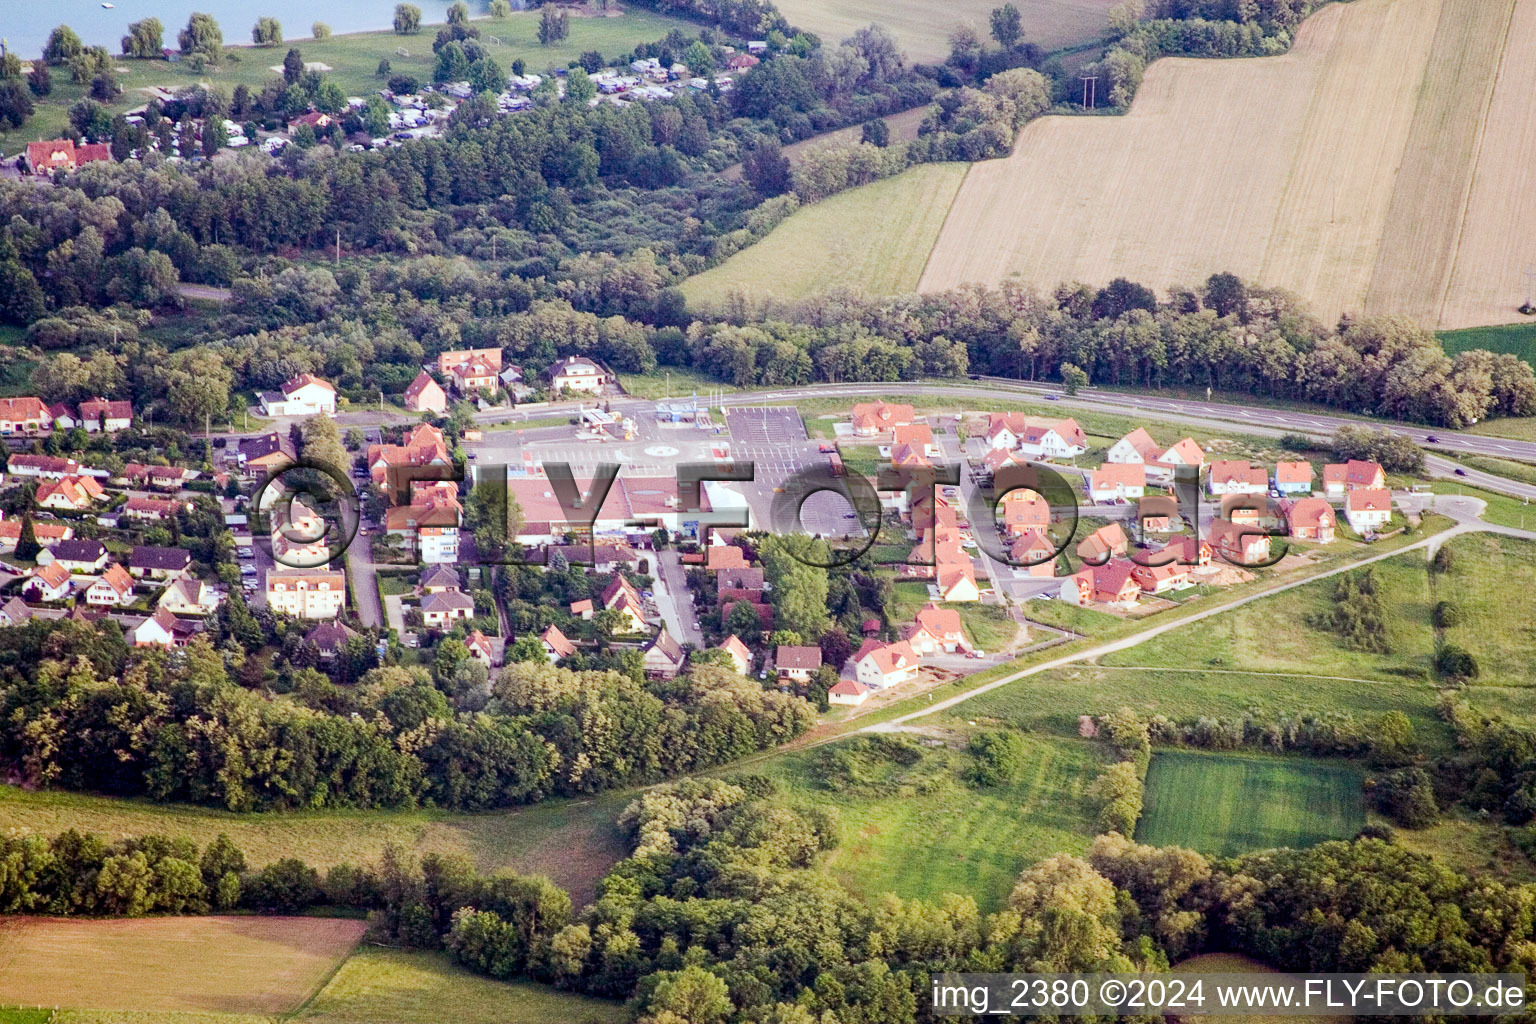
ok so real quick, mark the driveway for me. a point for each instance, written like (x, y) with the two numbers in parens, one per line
(674, 600)
(363, 575)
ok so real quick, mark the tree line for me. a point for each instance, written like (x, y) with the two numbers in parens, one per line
(83, 711)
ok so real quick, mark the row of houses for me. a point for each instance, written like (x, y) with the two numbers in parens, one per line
(31, 415)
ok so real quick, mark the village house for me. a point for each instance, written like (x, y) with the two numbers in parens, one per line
(112, 589)
(997, 459)
(426, 395)
(556, 644)
(163, 629)
(475, 376)
(1060, 440)
(480, 648)
(1292, 478)
(189, 597)
(956, 582)
(1023, 512)
(1134, 449)
(23, 416)
(621, 596)
(616, 557)
(582, 609)
(15, 612)
(267, 453)
(1117, 482)
(724, 556)
(878, 665)
(448, 362)
(1112, 583)
(160, 478)
(71, 494)
(444, 607)
(307, 593)
(1311, 519)
(796, 664)
(328, 637)
(157, 563)
(873, 418)
(99, 415)
(918, 436)
(1101, 544)
(1368, 509)
(663, 657)
(1341, 478)
(1237, 476)
(577, 373)
(64, 418)
(1004, 429)
(437, 578)
(848, 693)
(936, 629)
(303, 395)
(1188, 551)
(1036, 554)
(741, 657)
(907, 456)
(75, 555)
(47, 534)
(389, 465)
(1240, 545)
(42, 467)
(429, 526)
(1158, 579)
(1184, 453)
(154, 510)
(1252, 510)
(47, 583)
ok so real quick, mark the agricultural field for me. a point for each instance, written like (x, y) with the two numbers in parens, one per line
(923, 31)
(240, 965)
(1516, 339)
(588, 844)
(1297, 191)
(387, 986)
(920, 830)
(1487, 570)
(1223, 805)
(353, 58)
(875, 239)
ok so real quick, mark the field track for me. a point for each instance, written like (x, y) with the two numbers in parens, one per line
(209, 964)
(1383, 165)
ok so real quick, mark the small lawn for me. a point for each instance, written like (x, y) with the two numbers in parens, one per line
(1224, 805)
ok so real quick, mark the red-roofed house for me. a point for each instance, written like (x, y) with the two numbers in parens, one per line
(71, 494)
(1112, 583)
(23, 415)
(1311, 519)
(1237, 476)
(741, 657)
(114, 588)
(1157, 579)
(1005, 428)
(480, 648)
(51, 155)
(957, 582)
(426, 395)
(1117, 482)
(1368, 509)
(1135, 448)
(1103, 543)
(556, 646)
(304, 395)
(937, 629)
(871, 418)
(1341, 478)
(47, 582)
(99, 414)
(918, 435)
(91, 152)
(1240, 545)
(1036, 553)
(1023, 511)
(582, 609)
(1293, 477)
(1061, 440)
(848, 692)
(1190, 551)
(796, 664)
(878, 665)
(47, 534)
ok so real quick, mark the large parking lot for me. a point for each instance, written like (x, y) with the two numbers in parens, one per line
(772, 425)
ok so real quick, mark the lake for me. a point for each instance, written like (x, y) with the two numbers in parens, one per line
(25, 26)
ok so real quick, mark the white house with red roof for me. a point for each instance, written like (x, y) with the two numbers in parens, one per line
(1342, 477)
(1101, 544)
(424, 394)
(879, 665)
(1036, 554)
(936, 629)
(556, 645)
(872, 418)
(1368, 509)
(1117, 482)
(71, 494)
(1113, 583)
(848, 693)
(1134, 449)
(113, 588)
(956, 582)
(100, 415)
(1240, 545)
(1293, 478)
(303, 395)
(1311, 519)
(23, 415)
(1061, 440)
(1237, 476)
(741, 657)
(47, 583)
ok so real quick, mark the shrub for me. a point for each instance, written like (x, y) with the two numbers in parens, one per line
(1407, 797)
(998, 757)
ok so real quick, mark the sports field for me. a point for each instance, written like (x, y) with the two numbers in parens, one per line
(1373, 168)
(923, 29)
(874, 239)
(240, 965)
(391, 986)
(1223, 805)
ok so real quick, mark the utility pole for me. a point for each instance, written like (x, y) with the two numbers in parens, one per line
(1530, 291)
(338, 247)
(1090, 90)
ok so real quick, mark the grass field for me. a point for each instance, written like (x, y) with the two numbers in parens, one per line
(923, 30)
(1225, 805)
(195, 964)
(1501, 509)
(1355, 206)
(1236, 963)
(874, 238)
(1488, 569)
(385, 986)
(588, 845)
(354, 60)
(927, 832)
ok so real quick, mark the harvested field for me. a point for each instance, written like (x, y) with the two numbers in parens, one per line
(1355, 170)
(874, 238)
(241, 965)
(923, 30)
